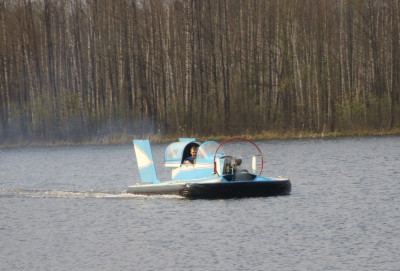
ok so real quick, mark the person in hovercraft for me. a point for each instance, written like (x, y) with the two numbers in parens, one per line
(192, 159)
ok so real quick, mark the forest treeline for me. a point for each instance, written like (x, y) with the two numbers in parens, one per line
(75, 70)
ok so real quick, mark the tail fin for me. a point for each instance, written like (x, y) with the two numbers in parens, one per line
(145, 161)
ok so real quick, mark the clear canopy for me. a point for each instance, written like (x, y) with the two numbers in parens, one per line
(207, 150)
(175, 152)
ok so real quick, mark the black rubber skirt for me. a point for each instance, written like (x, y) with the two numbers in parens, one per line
(236, 189)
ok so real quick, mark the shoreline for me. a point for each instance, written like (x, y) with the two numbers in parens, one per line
(117, 139)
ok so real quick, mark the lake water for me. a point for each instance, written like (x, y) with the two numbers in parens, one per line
(64, 208)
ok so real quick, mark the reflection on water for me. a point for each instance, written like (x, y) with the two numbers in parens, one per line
(65, 208)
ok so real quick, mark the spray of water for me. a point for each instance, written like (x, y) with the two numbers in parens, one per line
(26, 193)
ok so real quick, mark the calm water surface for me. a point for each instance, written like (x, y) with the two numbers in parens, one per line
(64, 208)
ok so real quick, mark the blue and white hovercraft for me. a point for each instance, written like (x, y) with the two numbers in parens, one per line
(214, 174)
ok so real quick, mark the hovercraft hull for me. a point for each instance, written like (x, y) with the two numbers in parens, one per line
(236, 189)
(157, 189)
(220, 190)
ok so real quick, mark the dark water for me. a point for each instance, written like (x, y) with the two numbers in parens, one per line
(64, 208)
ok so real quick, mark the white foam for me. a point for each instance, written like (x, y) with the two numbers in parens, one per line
(17, 192)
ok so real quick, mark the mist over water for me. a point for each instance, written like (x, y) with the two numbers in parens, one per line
(66, 208)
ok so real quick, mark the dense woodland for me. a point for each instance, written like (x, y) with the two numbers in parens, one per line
(77, 70)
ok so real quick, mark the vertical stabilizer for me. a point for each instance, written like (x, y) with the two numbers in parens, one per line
(145, 161)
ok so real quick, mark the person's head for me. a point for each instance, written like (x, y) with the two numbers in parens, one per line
(238, 162)
(193, 151)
